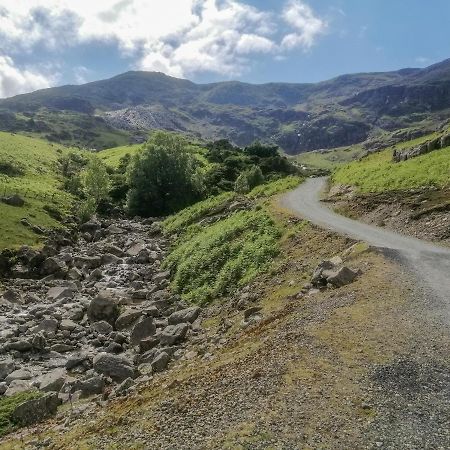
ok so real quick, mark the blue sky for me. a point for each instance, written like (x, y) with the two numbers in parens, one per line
(51, 42)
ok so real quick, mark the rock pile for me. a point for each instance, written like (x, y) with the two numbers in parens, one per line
(91, 317)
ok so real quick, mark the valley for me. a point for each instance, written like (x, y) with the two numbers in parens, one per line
(198, 288)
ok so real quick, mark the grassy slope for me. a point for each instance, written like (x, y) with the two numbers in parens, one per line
(210, 260)
(112, 156)
(39, 186)
(377, 172)
(330, 160)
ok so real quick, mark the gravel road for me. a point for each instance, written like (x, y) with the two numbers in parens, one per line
(429, 262)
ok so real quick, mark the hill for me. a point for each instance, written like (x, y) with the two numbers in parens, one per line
(346, 110)
(30, 168)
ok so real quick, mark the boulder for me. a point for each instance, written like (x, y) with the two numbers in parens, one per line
(53, 266)
(161, 362)
(127, 318)
(23, 345)
(60, 293)
(14, 200)
(102, 327)
(19, 374)
(12, 296)
(34, 411)
(117, 367)
(89, 387)
(48, 326)
(173, 334)
(90, 227)
(76, 359)
(7, 366)
(184, 315)
(147, 344)
(17, 386)
(341, 277)
(143, 329)
(103, 307)
(88, 262)
(53, 381)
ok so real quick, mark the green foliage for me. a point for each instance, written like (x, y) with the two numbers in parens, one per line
(114, 157)
(96, 180)
(224, 255)
(162, 176)
(39, 184)
(377, 172)
(7, 407)
(275, 187)
(248, 180)
(178, 223)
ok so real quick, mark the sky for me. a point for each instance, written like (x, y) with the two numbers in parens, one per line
(47, 43)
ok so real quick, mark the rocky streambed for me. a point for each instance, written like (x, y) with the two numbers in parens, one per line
(90, 316)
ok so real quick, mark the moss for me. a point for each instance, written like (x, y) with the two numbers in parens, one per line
(7, 407)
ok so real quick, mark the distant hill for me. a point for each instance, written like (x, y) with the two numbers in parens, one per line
(343, 111)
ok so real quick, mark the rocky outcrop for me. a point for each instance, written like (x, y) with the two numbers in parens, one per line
(422, 149)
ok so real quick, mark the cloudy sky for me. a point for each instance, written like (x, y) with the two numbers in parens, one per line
(51, 42)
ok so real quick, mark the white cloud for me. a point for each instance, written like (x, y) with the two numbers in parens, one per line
(307, 26)
(179, 37)
(15, 81)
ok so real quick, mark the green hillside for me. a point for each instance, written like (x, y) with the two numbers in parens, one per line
(112, 156)
(378, 173)
(29, 167)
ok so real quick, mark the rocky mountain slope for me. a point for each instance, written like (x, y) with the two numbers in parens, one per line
(342, 111)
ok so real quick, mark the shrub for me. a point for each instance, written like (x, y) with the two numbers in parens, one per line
(248, 180)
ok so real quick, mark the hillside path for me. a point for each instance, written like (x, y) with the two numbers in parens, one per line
(429, 263)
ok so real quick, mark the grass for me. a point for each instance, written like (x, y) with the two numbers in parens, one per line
(7, 407)
(330, 160)
(275, 187)
(178, 223)
(111, 157)
(224, 255)
(39, 185)
(377, 172)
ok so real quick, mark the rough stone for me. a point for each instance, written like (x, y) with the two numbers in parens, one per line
(116, 367)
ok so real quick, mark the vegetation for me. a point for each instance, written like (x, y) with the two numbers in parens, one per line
(162, 177)
(378, 173)
(178, 223)
(37, 178)
(224, 255)
(275, 187)
(7, 407)
(112, 157)
(248, 180)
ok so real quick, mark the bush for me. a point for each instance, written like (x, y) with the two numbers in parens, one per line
(248, 180)
(163, 177)
(224, 255)
(96, 180)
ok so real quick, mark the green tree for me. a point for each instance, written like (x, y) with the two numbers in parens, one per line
(96, 180)
(248, 179)
(162, 177)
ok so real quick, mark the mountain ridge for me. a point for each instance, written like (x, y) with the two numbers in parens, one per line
(344, 110)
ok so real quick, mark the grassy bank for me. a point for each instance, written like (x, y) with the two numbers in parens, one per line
(29, 167)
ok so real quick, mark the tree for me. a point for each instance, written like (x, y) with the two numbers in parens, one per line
(96, 180)
(249, 179)
(163, 176)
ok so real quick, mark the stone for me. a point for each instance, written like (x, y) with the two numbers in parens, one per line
(89, 387)
(103, 307)
(117, 367)
(87, 262)
(53, 381)
(76, 359)
(34, 411)
(39, 342)
(53, 266)
(173, 334)
(135, 249)
(147, 344)
(67, 324)
(48, 326)
(161, 362)
(143, 329)
(340, 277)
(102, 327)
(17, 386)
(184, 315)
(109, 258)
(74, 274)
(12, 296)
(14, 200)
(19, 374)
(7, 366)
(22, 345)
(90, 227)
(124, 386)
(127, 318)
(60, 293)
(251, 312)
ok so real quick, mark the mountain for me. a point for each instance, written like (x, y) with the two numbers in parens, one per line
(343, 111)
